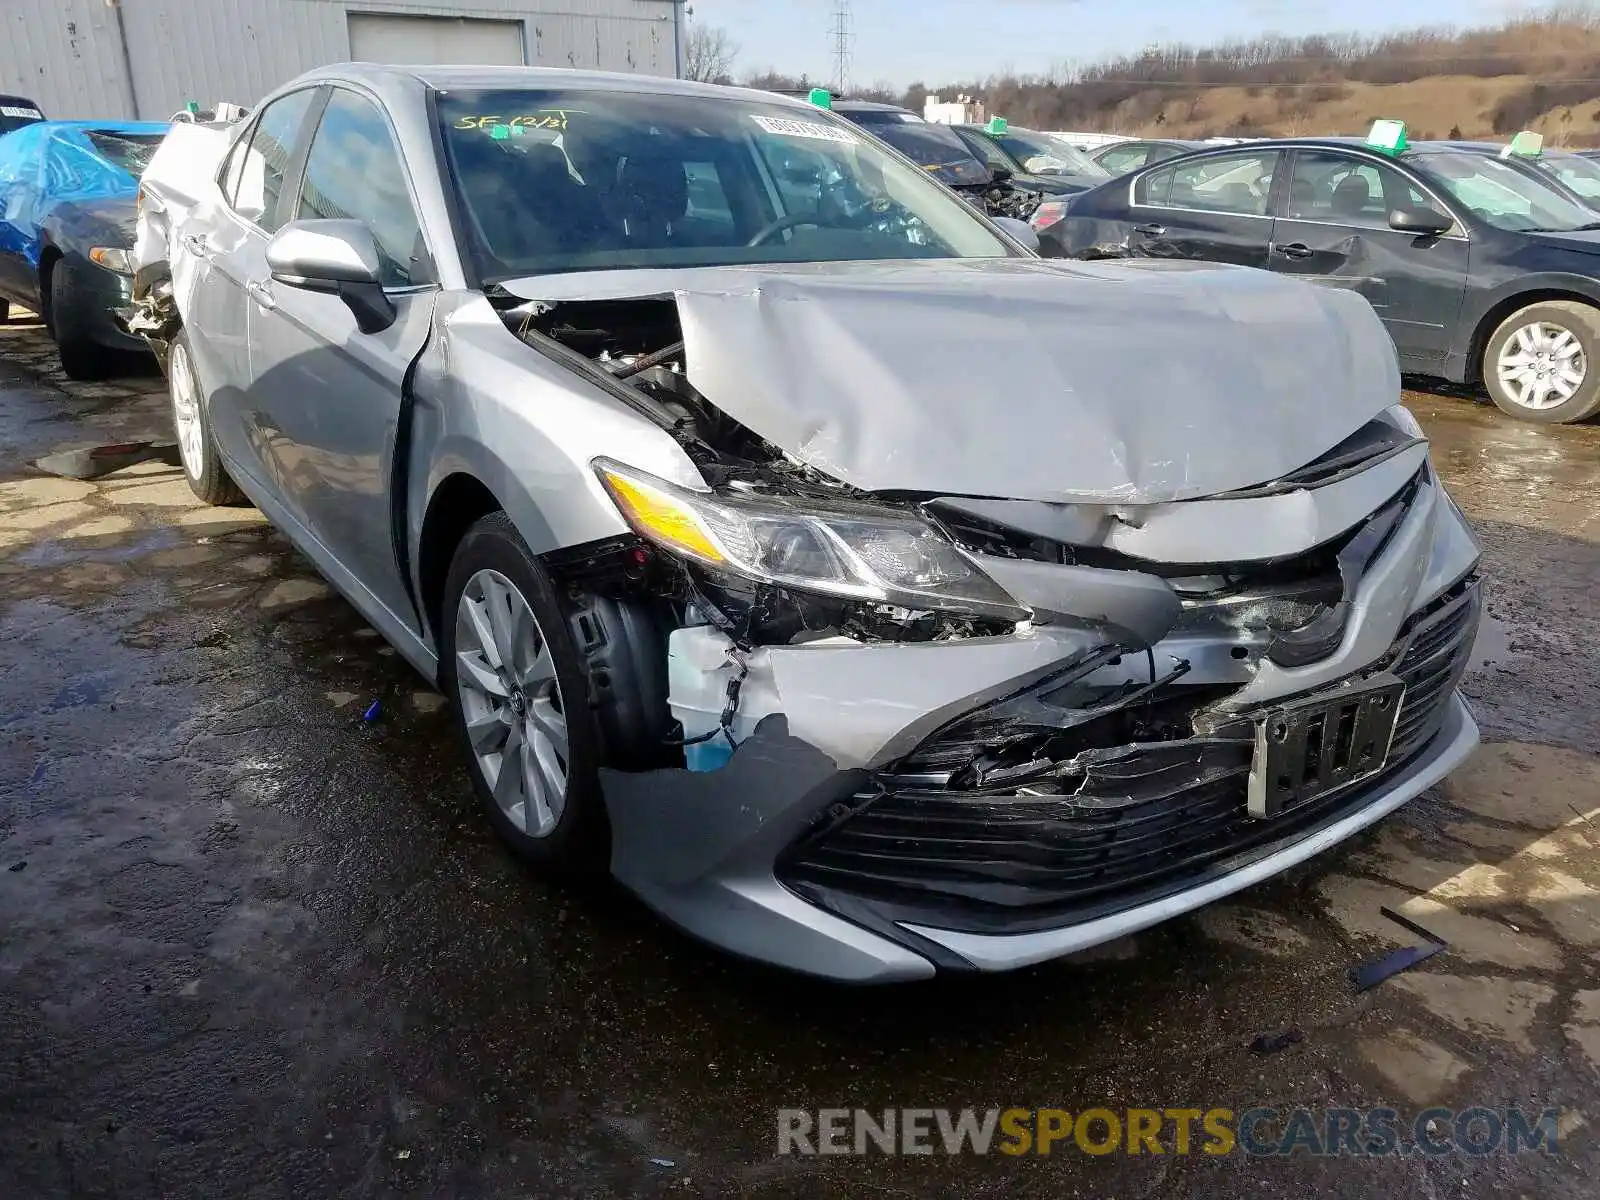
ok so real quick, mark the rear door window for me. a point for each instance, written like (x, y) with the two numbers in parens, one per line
(1240, 184)
(1120, 160)
(265, 162)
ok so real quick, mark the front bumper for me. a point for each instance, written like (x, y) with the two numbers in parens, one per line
(777, 857)
(94, 298)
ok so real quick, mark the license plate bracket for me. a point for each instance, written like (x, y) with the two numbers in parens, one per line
(1322, 743)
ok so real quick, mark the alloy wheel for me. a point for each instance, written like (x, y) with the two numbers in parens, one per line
(1541, 366)
(511, 703)
(186, 414)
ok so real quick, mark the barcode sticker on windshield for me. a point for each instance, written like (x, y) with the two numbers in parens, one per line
(7, 110)
(789, 127)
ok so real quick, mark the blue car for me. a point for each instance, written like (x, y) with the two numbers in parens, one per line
(67, 195)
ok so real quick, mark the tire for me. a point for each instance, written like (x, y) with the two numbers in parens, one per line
(191, 425)
(562, 829)
(1560, 338)
(82, 358)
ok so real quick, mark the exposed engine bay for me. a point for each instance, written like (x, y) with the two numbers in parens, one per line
(1160, 672)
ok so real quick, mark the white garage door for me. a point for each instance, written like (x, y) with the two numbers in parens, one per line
(380, 38)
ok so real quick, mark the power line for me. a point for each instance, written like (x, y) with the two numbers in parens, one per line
(841, 47)
(1243, 84)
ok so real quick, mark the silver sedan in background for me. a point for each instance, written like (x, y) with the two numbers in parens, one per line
(865, 593)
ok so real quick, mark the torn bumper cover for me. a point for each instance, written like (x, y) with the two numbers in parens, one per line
(981, 804)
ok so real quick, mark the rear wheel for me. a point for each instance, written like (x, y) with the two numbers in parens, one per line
(1543, 362)
(202, 467)
(521, 700)
(82, 357)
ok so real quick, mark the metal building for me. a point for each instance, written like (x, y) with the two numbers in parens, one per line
(146, 58)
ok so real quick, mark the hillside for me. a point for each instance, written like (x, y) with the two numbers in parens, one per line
(1539, 71)
(1435, 106)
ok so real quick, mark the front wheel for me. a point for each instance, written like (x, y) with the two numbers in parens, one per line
(1543, 362)
(521, 701)
(82, 358)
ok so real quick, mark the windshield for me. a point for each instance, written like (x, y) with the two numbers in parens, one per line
(588, 180)
(130, 151)
(15, 113)
(1042, 154)
(1580, 174)
(934, 148)
(1501, 195)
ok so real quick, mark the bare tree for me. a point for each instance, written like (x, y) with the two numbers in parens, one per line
(708, 54)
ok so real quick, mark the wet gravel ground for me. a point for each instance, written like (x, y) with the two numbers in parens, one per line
(251, 943)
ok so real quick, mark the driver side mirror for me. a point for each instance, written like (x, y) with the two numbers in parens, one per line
(339, 258)
(1423, 222)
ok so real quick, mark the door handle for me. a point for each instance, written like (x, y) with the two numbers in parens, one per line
(261, 292)
(1151, 230)
(197, 244)
(1294, 250)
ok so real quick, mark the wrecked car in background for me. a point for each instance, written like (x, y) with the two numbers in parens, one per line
(941, 152)
(798, 549)
(66, 231)
(180, 174)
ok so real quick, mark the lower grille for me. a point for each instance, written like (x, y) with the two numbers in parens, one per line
(1147, 816)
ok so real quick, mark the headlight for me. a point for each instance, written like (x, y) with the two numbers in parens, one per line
(865, 554)
(112, 259)
(1403, 419)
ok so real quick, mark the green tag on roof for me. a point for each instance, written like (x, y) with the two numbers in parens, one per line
(499, 132)
(997, 125)
(192, 106)
(1387, 136)
(821, 97)
(1526, 144)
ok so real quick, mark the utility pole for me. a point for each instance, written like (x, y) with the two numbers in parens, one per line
(841, 47)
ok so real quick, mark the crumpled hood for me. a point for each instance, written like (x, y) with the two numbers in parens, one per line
(1130, 381)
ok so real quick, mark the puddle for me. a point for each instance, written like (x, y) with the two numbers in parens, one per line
(60, 553)
(1492, 647)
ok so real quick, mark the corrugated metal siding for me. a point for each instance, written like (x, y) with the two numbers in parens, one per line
(66, 54)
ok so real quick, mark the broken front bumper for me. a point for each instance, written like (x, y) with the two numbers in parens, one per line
(813, 848)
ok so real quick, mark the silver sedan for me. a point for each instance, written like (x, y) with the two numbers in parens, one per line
(865, 593)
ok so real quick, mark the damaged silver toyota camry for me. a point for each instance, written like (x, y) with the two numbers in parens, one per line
(866, 594)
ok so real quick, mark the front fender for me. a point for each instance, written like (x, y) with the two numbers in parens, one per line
(1480, 304)
(527, 428)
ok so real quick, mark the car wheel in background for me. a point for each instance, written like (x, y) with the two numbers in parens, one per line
(1543, 362)
(521, 701)
(81, 357)
(202, 467)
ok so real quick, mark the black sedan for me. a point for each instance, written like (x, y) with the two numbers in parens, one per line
(1121, 157)
(1481, 270)
(17, 111)
(939, 151)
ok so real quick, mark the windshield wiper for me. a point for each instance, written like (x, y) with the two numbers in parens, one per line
(1588, 227)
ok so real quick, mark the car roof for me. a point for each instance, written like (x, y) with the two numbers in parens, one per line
(870, 106)
(392, 81)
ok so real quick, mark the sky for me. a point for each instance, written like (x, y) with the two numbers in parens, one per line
(935, 41)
